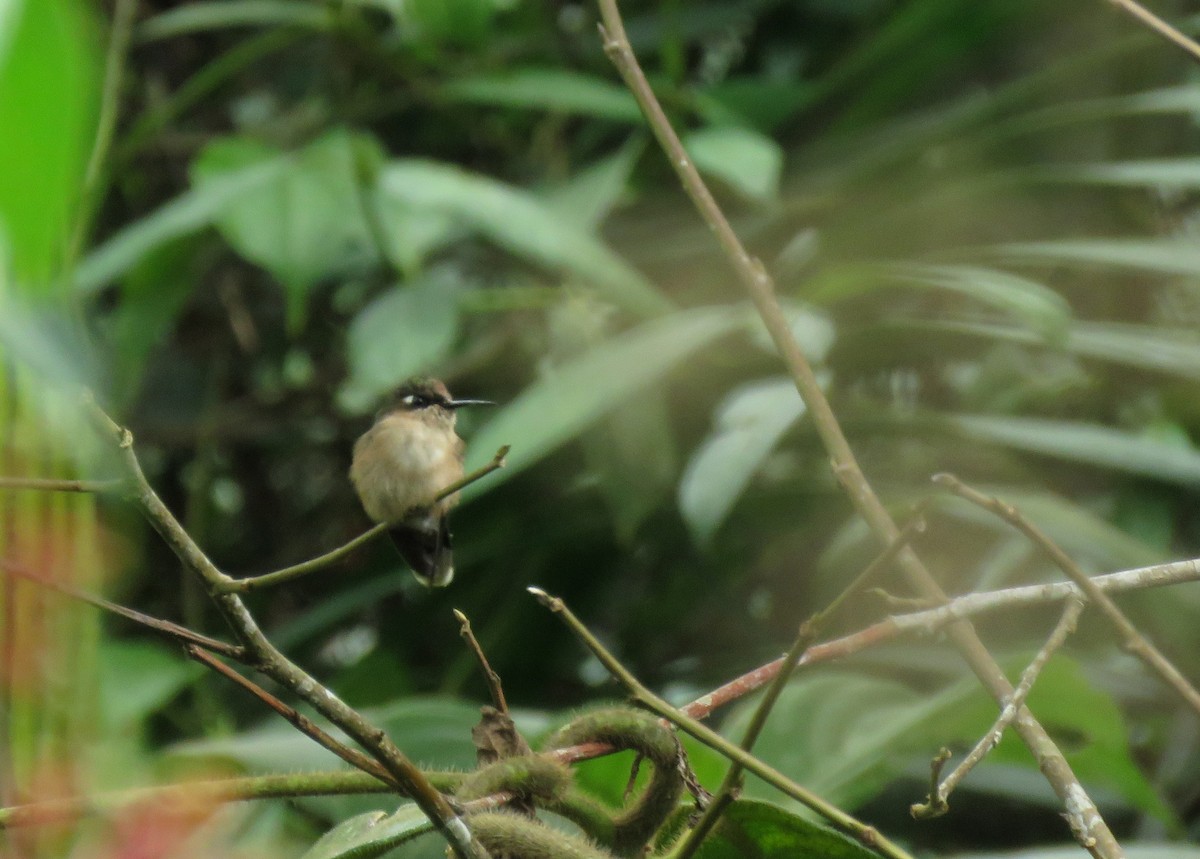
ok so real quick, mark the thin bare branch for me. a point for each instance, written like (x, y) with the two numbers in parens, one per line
(1087, 825)
(173, 631)
(40, 484)
(1158, 25)
(495, 688)
(298, 720)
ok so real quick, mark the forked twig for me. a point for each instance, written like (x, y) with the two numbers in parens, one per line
(936, 804)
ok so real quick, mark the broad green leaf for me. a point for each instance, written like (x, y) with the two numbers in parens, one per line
(747, 161)
(1038, 306)
(759, 830)
(549, 89)
(190, 211)
(49, 83)
(406, 330)
(1164, 256)
(307, 224)
(586, 199)
(152, 295)
(1145, 347)
(571, 397)
(433, 23)
(749, 424)
(633, 457)
(371, 834)
(517, 221)
(136, 679)
(1091, 444)
(223, 14)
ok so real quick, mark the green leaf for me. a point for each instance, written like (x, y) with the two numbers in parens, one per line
(632, 455)
(1091, 444)
(1163, 256)
(307, 224)
(758, 830)
(406, 330)
(747, 161)
(517, 221)
(587, 198)
(571, 397)
(222, 14)
(190, 211)
(749, 424)
(1144, 347)
(153, 294)
(137, 679)
(1038, 306)
(371, 834)
(449, 22)
(554, 90)
(49, 82)
(1179, 174)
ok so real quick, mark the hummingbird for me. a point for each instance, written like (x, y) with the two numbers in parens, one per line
(408, 456)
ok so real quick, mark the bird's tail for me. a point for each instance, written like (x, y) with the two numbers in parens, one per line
(425, 546)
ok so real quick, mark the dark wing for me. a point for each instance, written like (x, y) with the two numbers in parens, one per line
(425, 546)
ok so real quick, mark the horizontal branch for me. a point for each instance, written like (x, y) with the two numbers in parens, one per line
(40, 484)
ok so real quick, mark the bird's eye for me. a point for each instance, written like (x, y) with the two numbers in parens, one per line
(409, 400)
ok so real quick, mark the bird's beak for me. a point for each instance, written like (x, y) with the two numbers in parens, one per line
(458, 404)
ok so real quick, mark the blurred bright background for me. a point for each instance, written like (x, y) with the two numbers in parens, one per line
(982, 218)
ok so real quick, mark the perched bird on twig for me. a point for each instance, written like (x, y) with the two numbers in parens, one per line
(401, 464)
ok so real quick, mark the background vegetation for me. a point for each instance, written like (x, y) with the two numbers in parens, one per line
(981, 218)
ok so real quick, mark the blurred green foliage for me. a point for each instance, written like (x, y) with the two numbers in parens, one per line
(982, 220)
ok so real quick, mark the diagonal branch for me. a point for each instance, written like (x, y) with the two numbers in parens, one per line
(297, 719)
(266, 658)
(1087, 825)
(295, 571)
(173, 631)
(1159, 26)
(936, 804)
(867, 835)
